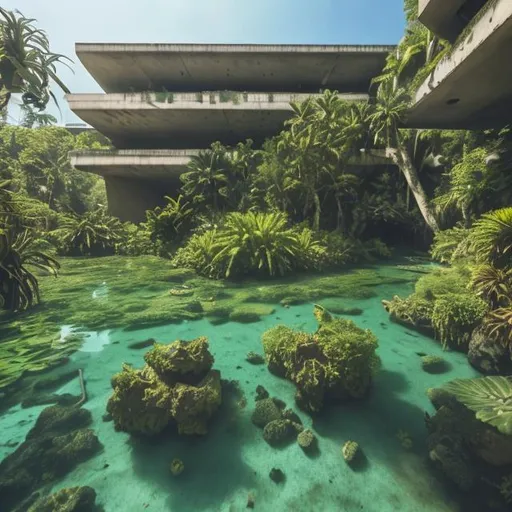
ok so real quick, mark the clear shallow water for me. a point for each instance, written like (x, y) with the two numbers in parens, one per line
(233, 460)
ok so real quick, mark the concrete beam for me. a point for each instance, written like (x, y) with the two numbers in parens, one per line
(166, 165)
(184, 120)
(440, 16)
(138, 180)
(471, 88)
(251, 68)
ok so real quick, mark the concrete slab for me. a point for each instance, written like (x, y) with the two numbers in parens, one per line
(440, 16)
(472, 87)
(251, 68)
(166, 164)
(184, 120)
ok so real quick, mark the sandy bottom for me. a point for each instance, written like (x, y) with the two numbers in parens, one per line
(232, 461)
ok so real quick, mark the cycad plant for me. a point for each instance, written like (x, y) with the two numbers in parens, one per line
(491, 238)
(93, 233)
(26, 63)
(19, 256)
(257, 242)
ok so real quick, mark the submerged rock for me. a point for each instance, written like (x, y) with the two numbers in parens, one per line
(434, 364)
(472, 454)
(336, 363)
(73, 499)
(279, 432)
(489, 356)
(53, 447)
(265, 411)
(277, 476)
(261, 393)
(350, 451)
(138, 345)
(177, 467)
(176, 385)
(254, 358)
(306, 440)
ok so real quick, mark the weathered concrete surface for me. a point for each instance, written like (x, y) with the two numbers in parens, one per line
(440, 16)
(472, 87)
(138, 180)
(251, 68)
(185, 120)
(167, 164)
(129, 198)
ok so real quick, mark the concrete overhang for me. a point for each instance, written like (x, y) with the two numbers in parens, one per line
(471, 88)
(251, 68)
(440, 16)
(167, 164)
(185, 120)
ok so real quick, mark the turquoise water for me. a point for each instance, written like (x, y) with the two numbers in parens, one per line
(233, 461)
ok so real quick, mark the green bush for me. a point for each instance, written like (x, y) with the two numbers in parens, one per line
(455, 316)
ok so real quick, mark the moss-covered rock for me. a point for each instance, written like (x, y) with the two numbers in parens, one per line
(176, 384)
(279, 432)
(73, 499)
(337, 362)
(472, 454)
(350, 451)
(434, 364)
(265, 411)
(181, 361)
(254, 358)
(306, 440)
(53, 447)
(249, 313)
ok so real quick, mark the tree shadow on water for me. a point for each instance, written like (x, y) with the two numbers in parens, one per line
(214, 468)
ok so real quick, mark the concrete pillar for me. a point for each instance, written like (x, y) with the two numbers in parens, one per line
(129, 198)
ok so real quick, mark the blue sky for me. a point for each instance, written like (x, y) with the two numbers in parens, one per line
(206, 21)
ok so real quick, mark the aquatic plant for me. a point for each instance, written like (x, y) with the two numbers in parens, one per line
(412, 310)
(177, 383)
(506, 488)
(337, 361)
(490, 398)
(405, 439)
(491, 237)
(455, 316)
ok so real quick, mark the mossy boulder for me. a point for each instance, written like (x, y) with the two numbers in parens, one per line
(350, 451)
(73, 499)
(306, 440)
(266, 411)
(434, 364)
(336, 363)
(176, 385)
(249, 313)
(57, 443)
(279, 432)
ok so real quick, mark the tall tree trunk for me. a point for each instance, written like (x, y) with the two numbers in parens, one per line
(402, 160)
(340, 221)
(318, 211)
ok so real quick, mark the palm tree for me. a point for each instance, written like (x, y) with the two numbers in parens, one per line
(388, 114)
(206, 178)
(26, 63)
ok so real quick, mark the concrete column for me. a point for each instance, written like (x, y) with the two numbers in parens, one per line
(129, 198)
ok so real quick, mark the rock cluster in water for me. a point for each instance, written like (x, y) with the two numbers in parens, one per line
(73, 499)
(473, 455)
(177, 384)
(58, 442)
(337, 362)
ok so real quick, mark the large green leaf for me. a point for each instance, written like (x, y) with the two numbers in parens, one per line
(489, 397)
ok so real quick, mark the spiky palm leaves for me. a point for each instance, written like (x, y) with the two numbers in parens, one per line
(259, 242)
(26, 63)
(19, 255)
(491, 238)
(94, 233)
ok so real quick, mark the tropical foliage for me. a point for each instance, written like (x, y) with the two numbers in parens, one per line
(26, 63)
